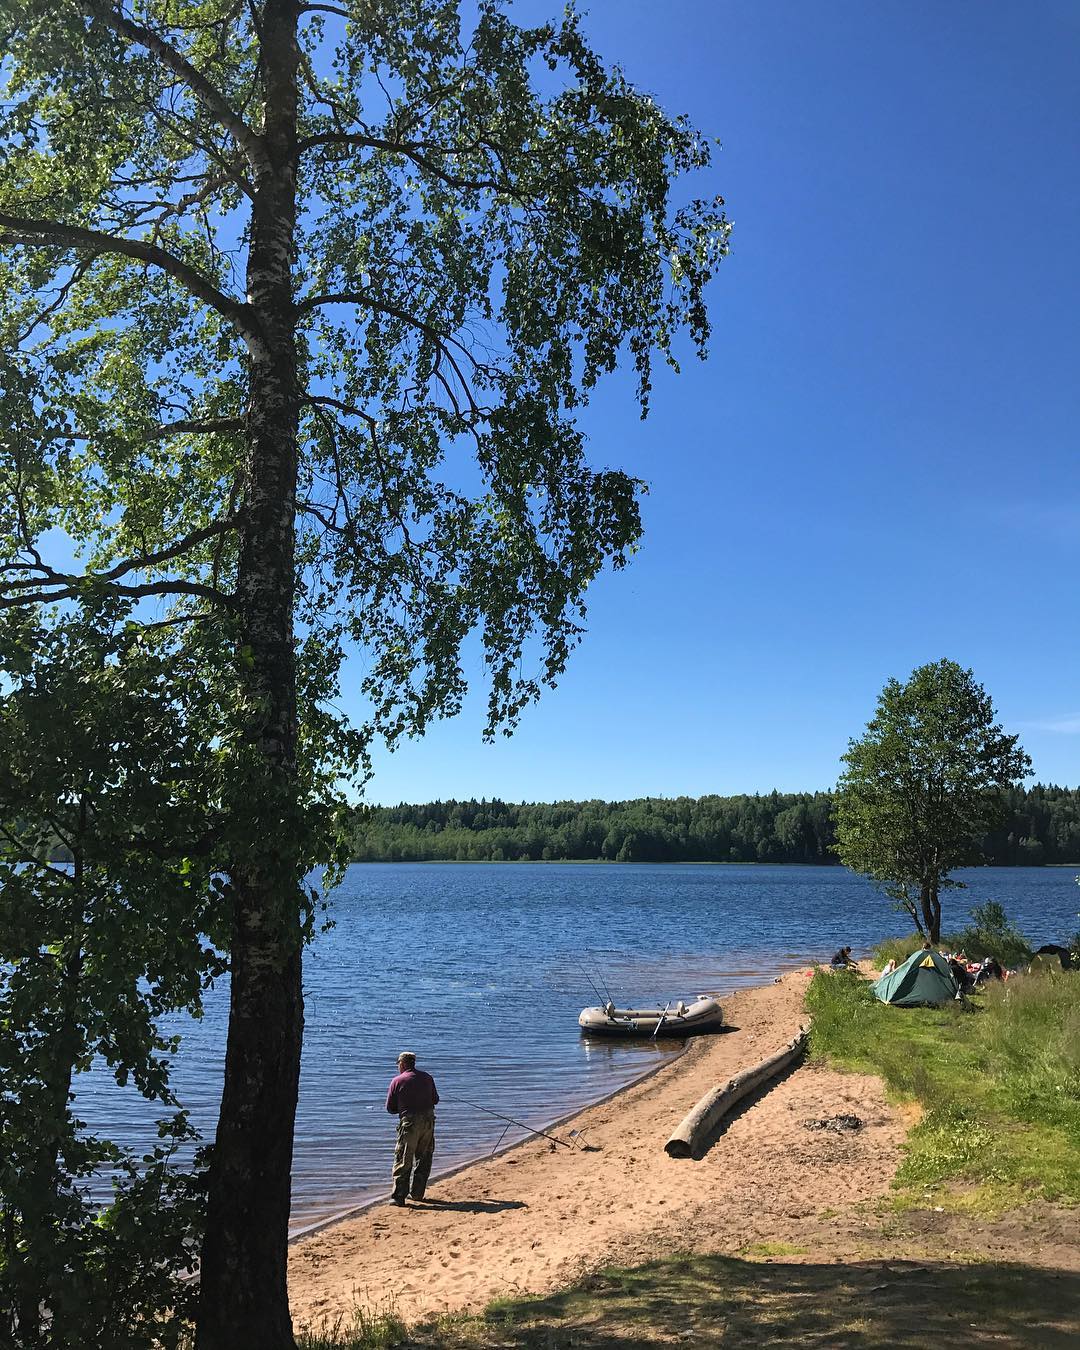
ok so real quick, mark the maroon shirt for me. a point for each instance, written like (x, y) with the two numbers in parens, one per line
(413, 1090)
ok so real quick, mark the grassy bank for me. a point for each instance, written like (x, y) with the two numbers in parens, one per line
(999, 1085)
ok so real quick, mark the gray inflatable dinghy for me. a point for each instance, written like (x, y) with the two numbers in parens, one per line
(678, 1019)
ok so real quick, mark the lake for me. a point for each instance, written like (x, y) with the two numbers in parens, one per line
(482, 968)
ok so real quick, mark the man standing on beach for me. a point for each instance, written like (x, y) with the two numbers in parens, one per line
(412, 1098)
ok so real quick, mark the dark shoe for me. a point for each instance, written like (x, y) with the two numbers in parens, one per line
(416, 1197)
(397, 1200)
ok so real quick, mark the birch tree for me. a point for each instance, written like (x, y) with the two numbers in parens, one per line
(300, 306)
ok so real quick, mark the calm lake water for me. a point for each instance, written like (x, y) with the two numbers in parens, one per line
(482, 970)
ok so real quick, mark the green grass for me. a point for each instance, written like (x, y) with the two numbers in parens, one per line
(376, 1328)
(769, 1251)
(999, 1084)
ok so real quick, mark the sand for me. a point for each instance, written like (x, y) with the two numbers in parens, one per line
(533, 1219)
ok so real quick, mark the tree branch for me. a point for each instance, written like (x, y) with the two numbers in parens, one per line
(126, 637)
(318, 401)
(29, 858)
(209, 427)
(45, 233)
(439, 341)
(150, 588)
(49, 577)
(65, 290)
(181, 546)
(365, 141)
(208, 94)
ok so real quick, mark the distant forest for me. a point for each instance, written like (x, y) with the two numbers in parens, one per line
(1042, 826)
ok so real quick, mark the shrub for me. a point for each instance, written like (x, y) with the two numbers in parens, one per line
(990, 933)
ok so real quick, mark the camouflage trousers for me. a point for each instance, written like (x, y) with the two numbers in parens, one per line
(415, 1150)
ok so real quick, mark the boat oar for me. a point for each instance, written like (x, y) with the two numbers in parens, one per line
(460, 1101)
(659, 1024)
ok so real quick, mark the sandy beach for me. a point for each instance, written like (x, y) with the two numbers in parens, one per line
(533, 1218)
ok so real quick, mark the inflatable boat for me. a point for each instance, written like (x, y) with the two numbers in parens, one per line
(677, 1019)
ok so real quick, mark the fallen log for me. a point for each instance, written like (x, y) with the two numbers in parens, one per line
(693, 1132)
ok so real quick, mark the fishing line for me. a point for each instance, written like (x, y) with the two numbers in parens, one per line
(460, 1101)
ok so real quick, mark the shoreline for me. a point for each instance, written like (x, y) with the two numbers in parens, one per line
(530, 1219)
(363, 1200)
(670, 862)
(354, 1211)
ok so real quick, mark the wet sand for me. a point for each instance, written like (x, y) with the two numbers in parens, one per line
(538, 1216)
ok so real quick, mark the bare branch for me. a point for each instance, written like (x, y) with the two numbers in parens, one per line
(181, 546)
(389, 498)
(164, 210)
(311, 509)
(440, 341)
(126, 636)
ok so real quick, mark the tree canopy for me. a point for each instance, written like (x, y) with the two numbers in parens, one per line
(298, 306)
(922, 785)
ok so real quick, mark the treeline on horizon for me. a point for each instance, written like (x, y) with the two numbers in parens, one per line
(1042, 825)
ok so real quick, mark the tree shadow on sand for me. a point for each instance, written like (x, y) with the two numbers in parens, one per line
(707, 1301)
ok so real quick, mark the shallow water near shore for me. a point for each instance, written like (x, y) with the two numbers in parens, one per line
(481, 969)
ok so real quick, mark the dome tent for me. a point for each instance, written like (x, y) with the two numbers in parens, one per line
(923, 979)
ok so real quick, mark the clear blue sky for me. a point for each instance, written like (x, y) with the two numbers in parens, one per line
(878, 466)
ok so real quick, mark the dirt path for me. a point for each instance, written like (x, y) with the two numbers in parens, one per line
(530, 1220)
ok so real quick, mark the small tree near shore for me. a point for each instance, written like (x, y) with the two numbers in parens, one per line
(922, 785)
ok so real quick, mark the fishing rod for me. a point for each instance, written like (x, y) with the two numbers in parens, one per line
(600, 977)
(460, 1101)
(592, 983)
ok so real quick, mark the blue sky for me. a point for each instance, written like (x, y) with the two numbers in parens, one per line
(878, 466)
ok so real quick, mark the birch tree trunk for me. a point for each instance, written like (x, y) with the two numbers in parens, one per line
(243, 1299)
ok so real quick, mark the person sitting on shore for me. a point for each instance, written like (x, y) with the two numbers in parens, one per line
(963, 978)
(991, 969)
(843, 959)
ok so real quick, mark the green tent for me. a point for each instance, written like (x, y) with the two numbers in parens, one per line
(924, 978)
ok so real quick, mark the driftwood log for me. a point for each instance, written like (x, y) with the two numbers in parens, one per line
(693, 1132)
